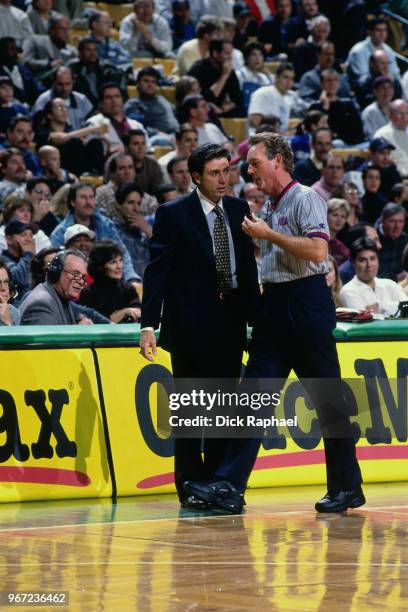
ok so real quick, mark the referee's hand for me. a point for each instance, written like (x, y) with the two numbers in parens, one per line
(256, 228)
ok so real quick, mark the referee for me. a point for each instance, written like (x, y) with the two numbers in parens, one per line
(297, 315)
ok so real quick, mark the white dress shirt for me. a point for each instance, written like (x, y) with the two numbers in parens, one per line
(386, 293)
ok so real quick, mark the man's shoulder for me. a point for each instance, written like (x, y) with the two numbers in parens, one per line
(359, 46)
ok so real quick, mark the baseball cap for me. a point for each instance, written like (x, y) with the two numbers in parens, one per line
(380, 80)
(77, 230)
(380, 144)
(15, 226)
(240, 9)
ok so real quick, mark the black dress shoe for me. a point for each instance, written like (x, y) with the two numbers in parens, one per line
(194, 503)
(233, 503)
(340, 501)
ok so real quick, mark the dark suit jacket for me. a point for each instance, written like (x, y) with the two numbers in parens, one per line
(306, 172)
(181, 276)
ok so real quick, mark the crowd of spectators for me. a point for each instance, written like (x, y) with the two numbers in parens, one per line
(92, 142)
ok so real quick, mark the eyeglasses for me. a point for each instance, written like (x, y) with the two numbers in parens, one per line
(60, 106)
(45, 194)
(76, 276)
(351, 191)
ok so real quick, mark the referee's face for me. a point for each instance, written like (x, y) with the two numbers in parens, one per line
(263, 171)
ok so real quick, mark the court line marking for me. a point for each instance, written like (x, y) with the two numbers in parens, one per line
(282, 514)
(251, 562)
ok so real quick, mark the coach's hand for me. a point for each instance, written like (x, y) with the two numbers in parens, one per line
(148, 345)
(256, 228)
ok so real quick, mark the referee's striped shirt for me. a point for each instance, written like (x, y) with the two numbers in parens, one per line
(298, 211)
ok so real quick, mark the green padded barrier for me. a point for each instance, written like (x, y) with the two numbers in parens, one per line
(130, 333)
(69, 334)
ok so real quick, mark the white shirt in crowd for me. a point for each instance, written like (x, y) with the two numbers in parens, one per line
(210, 133)
(386, 293)
(269, 101)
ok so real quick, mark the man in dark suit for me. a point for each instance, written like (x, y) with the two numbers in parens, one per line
(203, 274)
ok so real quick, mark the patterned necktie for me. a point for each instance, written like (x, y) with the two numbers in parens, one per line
(222, 253)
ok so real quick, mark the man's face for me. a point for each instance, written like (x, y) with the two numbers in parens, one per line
(188, 142)
(201, 112)
(22, 135)
(4, 285)
(102, 27)
(15, 170)
(89, 53)
(51, 160)
(72, 279)
(284, 9)
(6, 93)
(382, 157)
(225, 55)
(320, 33)
(137, 147)
(263, 170)
(11, 53)
(60, 30)
(381, 63)
(372, 181)
(84, 204)
(82, 242)
(372, 234)
(379, 34)
(284, 82)
(309, 8)
(214, 181)
(40, 192)
(144, 11)
(366, 266)
(384, 93)
(125, 171)
(399, 115)
(180, 176)
(148, 85)
(64, 84)
(333, 172)
(16, 242)
(327, 56)
(255, 60)
(112, 102)
(393, 226)
(131, 206)
(322, 145)
(330, 84)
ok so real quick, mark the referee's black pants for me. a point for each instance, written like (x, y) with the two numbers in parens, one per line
(295, 331)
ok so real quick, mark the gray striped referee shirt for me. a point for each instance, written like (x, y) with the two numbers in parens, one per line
(298, 211)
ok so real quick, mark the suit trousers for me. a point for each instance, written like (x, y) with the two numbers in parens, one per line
(295, 331)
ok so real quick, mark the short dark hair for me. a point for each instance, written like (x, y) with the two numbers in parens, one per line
(373, 23)
(269, 124)
(203, 154)
(184, 129)
(252, 46)
(19, 118)
(284, 66)
(396, 191)
(274, 145)
(86, 40)
(332, 155)
(216, 44)
(148, 71)
(108, 85)
(367, 169)
(124, 190)
(391, 209)
(188, 104)
(127, 137)
(74, 189)
(94, 17)
(37, 271)
(162, 190)
(15, 202)
(362, 244)
(111, 163)
(312, 118)
(102, 252)
(175, 160)
(359, 230)
(36, 180)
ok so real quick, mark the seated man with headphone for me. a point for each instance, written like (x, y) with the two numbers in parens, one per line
(50, 303)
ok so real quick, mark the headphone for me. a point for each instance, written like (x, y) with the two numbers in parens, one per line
(56, 265)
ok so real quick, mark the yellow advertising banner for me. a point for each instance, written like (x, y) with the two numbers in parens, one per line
(52, 441)
(143, 458)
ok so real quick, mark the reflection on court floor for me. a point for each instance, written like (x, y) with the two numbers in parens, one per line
(145, 554)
